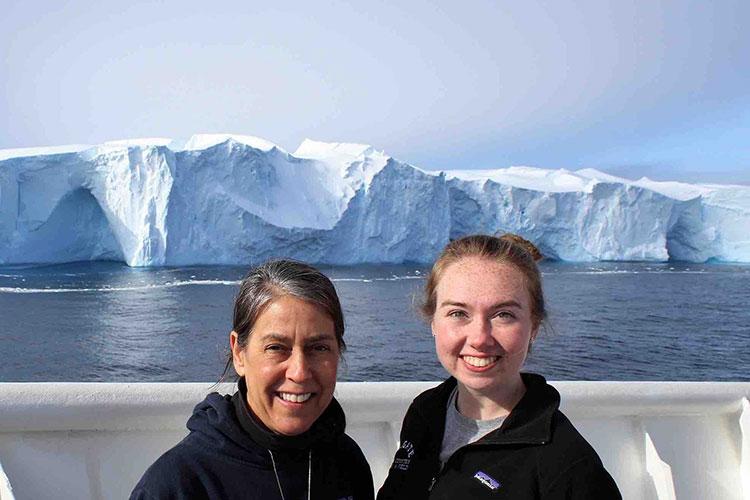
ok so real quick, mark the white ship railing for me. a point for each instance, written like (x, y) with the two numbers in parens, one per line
(660, 440)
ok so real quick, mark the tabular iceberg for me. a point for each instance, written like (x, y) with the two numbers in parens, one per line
(228, 199)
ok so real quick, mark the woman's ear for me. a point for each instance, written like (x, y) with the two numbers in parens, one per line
(238, 360)
(532, 339)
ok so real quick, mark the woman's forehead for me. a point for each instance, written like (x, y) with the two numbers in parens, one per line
(484, 268)
(481, 280)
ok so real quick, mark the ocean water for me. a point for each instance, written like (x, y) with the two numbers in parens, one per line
(609, 321)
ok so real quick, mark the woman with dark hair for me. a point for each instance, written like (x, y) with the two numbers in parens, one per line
(490, 431)
(281, 435)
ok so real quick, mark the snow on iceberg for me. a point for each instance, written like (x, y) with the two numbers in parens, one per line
(226, 199)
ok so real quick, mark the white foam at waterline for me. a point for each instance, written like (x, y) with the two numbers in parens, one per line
(370, 280)
(622, 271)
(173, 284)
(121, 288)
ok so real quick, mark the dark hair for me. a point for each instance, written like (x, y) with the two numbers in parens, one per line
(277, 278)
(508, 249)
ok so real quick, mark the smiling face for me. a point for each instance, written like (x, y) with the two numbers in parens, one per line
(289, 364)
(482, 324)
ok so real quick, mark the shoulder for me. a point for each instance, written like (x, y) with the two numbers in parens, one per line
(348, 449)
(172, 474)
(431, 404)
(436, 395)
(346, 469)
(573, 466)
(566, 438)
(425, 417)
(424, 422)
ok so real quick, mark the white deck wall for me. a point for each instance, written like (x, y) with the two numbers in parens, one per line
(686, 440)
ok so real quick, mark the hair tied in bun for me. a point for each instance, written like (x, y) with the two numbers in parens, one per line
(523, 243)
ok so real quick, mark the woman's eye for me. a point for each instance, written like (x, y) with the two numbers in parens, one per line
(457, 314)
(504, 315)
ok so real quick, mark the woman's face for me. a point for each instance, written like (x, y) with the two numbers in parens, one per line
(289, 364)
(482, 323)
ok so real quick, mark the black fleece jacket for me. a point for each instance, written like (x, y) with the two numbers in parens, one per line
(535, 454)
(226, 456)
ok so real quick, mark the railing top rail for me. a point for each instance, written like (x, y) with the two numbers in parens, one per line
(116, 406)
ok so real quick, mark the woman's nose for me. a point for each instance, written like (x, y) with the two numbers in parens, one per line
(480, 333)
(298, 367)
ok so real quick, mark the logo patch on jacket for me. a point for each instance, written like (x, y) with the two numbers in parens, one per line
(487, 480)
(403, 456)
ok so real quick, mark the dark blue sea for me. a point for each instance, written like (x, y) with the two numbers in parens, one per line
(609, 321)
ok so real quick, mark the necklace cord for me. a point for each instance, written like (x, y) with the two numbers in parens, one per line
(309, 475)
(275, 473)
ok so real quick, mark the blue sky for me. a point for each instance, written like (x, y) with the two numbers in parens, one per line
(633, 88)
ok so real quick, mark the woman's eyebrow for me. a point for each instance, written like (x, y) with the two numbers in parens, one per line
(507, 303)
(273, 336)
(320, 337)
(282, 338)
(499, 305)
(451, 303)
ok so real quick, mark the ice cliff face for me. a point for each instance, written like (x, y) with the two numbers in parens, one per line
(239, 199)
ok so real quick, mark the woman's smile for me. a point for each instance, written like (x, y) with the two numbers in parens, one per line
(290, 397)
(480, 362)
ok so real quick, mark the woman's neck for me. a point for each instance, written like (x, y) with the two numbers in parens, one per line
(492, 403)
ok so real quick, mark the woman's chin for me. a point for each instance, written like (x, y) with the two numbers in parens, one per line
(487, 378)
(292, 427)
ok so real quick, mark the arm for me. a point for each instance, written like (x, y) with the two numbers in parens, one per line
(168, 478)
(363, 487)
(585, 479)
(141, 494)
(415, 464)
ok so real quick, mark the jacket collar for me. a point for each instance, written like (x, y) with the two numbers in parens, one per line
(530, 422)
(330, 425)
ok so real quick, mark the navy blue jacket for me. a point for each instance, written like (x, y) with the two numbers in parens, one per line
(226, 456)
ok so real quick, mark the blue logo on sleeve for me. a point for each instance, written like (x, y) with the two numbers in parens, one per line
(487, 480)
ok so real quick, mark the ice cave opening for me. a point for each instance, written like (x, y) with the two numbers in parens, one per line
(76, 230)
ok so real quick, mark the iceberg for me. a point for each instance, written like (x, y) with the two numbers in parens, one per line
(231, 199)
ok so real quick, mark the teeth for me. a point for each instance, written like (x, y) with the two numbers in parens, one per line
(295, 398)
(480, 362)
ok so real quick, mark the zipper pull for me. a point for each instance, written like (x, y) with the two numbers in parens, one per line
(432, 483)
